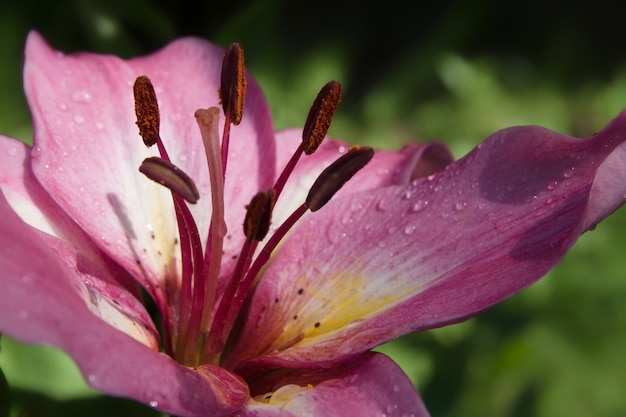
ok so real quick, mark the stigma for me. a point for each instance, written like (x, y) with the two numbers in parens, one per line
(199, 316)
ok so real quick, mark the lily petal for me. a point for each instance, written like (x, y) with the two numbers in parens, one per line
(86, 143)
(369, 385)
(39, 303)
(436, 251)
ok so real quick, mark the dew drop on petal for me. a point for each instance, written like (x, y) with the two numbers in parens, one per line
(569, 173)
(79, 119)
(154, 404)
(410, 229)
(383, 205)
(82, 96)
(460, 205)
(335, 235)
(91, 378)
(11, 151)
(419, 205)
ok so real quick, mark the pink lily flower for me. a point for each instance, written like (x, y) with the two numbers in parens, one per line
(252, 325)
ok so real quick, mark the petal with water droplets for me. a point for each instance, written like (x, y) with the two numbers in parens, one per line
(433, 252)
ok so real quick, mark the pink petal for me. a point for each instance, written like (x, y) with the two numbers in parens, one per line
(33, 204)
(39, 303)
(436, 251)
(87, 149)
(369, 385)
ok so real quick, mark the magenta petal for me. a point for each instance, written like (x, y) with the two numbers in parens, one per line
(39, 303)
(369, 385)
(436, 251)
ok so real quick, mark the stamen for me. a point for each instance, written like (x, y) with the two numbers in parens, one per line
(232, 93)
(336, 175)
(170, 176)
(233, 83)
(320, 116)
(315, 128)
(258, 215)
(147, 110)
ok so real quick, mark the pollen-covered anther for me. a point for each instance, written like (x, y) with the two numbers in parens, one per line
(170, 176)
(147, 110)
(336, 175)
(233, 83)
(259, 215)
(320, 116)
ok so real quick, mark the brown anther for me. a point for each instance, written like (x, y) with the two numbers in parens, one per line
(320, 116)
(147, 110)
(259, 215)
(336, 175)
(233, 83)
(170, 176)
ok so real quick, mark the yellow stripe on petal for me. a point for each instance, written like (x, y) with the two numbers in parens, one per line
(342, 300)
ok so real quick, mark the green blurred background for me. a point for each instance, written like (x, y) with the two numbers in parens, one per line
(455, 71)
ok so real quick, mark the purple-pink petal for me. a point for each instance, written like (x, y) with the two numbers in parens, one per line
(370, 385)
(433, 252)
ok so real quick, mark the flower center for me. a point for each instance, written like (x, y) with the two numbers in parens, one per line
(197, 321)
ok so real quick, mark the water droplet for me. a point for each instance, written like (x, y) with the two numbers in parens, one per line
(396, 388)
(26, 279)
(91, 378)
(460, 205)
(382, 171)
(419, 205)
(383, 205)
(99, 125)
(347, 219)
(79, 119)
(409, 230)
(553, 185)
(23, 314)
(82, 96)
(12, 151)
(408, 194)
(392, 230)
(569, 173)
(335, 235)
(391, 408)
(356, 206)
(154, 404)
(63, 106)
